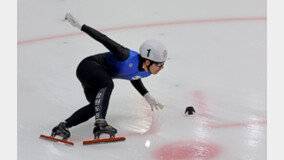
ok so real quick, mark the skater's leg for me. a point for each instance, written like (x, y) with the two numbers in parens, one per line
(102, 100)
(84, 113)
(94, 77)
(80, 116)
(98, 105)
(97, 85)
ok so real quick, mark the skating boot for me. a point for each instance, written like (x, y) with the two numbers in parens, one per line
(101, 126)
(61, 130)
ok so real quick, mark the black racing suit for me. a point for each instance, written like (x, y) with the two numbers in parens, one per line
(94, 74)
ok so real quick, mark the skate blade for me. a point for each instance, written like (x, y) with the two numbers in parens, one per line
(106, 140)
(56, 139)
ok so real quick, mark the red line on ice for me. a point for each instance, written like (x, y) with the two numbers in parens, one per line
(199, 98)
(147, 26)
(200, 103)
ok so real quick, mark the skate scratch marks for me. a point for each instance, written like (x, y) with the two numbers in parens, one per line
(147, 26)
(244, 124)
(153, 128)
(149, 119)
(201, 104)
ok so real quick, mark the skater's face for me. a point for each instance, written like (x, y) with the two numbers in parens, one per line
(155, 67)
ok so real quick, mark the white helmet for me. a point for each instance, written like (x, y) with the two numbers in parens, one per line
(154, 51)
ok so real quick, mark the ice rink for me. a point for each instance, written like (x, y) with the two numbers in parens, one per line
(217, 64)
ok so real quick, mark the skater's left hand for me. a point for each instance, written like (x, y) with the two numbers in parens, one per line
(153, 102)
(72, 21)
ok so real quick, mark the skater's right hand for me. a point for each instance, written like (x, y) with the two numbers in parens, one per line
(153, 102)
(72, 21)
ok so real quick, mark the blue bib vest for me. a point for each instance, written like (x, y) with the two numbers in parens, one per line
(127, 69)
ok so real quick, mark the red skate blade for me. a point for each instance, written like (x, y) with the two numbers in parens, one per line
(56, 139)
(104, 140)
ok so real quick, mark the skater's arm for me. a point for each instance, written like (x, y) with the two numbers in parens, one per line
(118, 50)
(139, 86)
